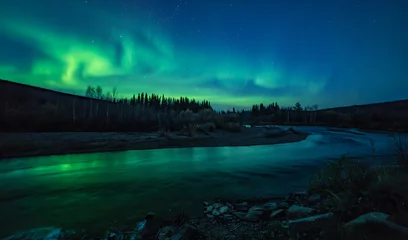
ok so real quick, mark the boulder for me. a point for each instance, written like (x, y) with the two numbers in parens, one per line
(254, 213)
(216, 212)
(46, 233)
(314, 198)
(296, 211)
(177, 233)
(277, 213)
(283, 205)
(270, 206)
(217, 205)
(223, 209)
(209, 208)
(242, 206)
(375, 225)
(322, 222)
(369, 217)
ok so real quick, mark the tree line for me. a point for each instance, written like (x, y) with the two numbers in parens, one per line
(31, 109)
(153, 100)
(274, 113)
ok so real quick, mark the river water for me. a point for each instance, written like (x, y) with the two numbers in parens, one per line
(94, 190)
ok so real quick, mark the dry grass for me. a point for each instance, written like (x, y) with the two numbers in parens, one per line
(343, 174)
(391, 178)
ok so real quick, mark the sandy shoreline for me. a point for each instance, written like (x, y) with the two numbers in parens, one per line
(13, 145)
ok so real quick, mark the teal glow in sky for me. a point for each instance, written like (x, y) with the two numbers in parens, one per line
(233, 53)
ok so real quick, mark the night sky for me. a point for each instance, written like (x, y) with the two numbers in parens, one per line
(233, 53)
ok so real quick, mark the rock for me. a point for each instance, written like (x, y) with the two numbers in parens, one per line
(46, 233)
(217, 205)
(242, 206)
(223, 209)
(314, 198)
(322, 221)
(210, 208)
(165, 232)
(277, 213)
(185, 233)
(270, 206)
(215, 212)
(240, 215)
(205, 203)
(254, 213)
(375, 225)
(369, 217)
(176, 233)
(228, 216)
(209, 216)
(283, 205)
(54, 234)
(113, 235)
(141, 225)
(296, 211)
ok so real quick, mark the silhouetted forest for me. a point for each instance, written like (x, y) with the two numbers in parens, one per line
(159, 103)
(392, 116)
(27, 108)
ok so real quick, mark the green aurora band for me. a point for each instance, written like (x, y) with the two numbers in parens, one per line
(71, 56)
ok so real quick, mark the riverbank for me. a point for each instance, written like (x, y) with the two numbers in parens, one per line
(13, 145)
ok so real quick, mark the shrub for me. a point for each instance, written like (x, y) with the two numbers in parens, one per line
(163, 133)
(207, 115)
(232, 126)
(401, 149)
(206, 127)
(187, 117)
(340, 175)
(188, 130)
(231, 117)
(388, 178)
(219, 121)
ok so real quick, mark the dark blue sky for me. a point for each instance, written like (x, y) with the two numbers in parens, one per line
(234, 53)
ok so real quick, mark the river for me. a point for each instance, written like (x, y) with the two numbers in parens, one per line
(94, 190)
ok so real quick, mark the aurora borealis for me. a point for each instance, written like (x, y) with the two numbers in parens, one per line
(233, 53)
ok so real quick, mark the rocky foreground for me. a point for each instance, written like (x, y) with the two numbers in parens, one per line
(297, 216)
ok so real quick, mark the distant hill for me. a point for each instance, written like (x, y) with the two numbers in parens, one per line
(401, 105)
(11, 90)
